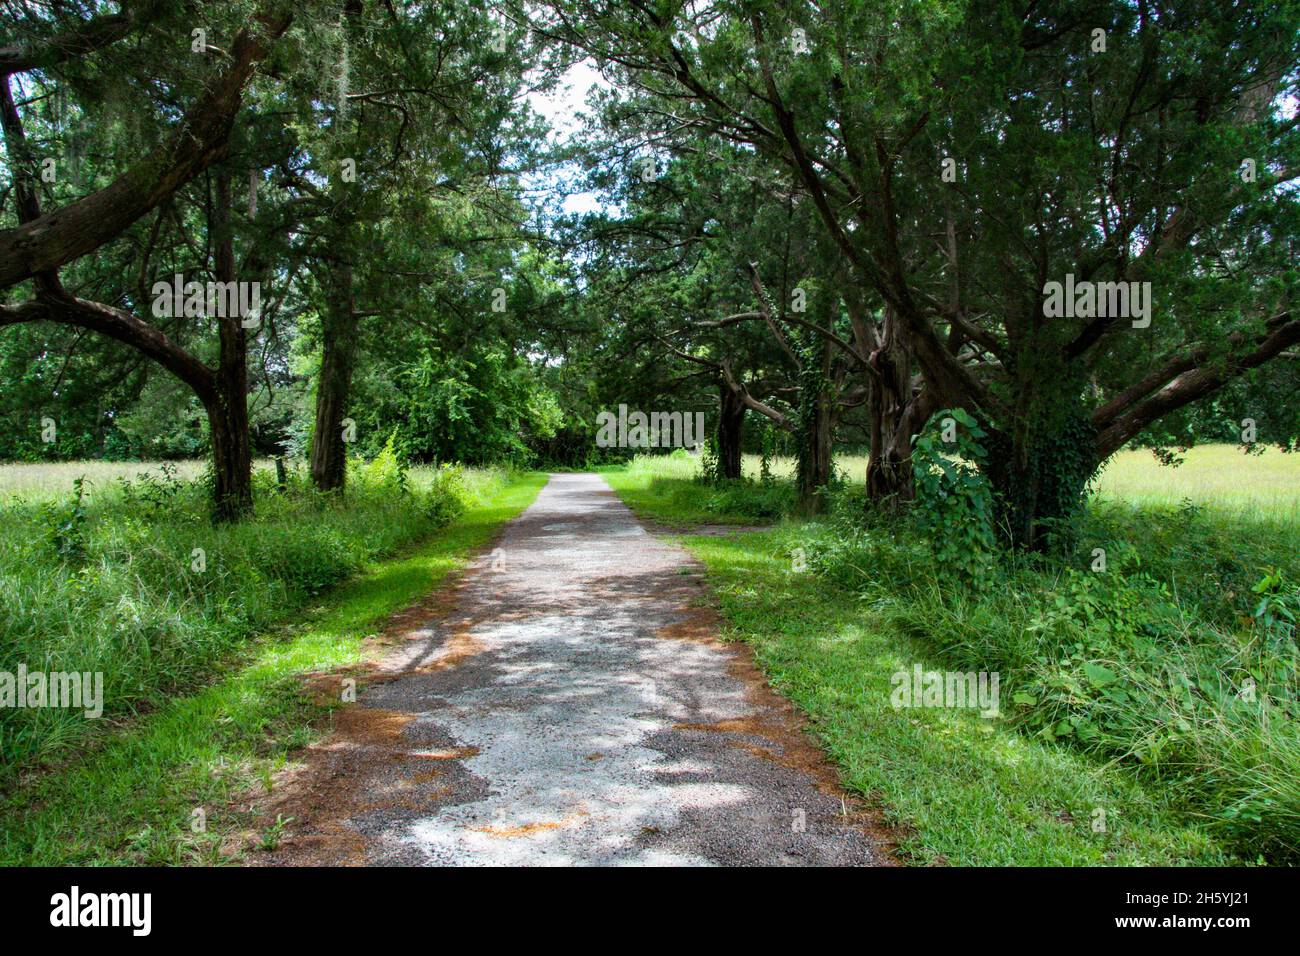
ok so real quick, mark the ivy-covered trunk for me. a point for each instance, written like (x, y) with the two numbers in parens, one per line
(731, 421)
(815, 448)
(1039, 465)
(816, 422)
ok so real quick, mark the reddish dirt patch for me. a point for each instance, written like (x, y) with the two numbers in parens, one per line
(699, 625)
(320, 793)
(454, 753)
(326, 787)
(529, 829)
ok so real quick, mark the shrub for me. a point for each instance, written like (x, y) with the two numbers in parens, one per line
(954, 503)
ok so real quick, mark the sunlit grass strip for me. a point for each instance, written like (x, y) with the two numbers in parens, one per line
(962, 789)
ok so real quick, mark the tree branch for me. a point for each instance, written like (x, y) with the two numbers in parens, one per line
(1187, 387)
(65, 234)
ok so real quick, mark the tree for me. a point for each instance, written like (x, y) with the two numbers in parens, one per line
(412, 129)
(874, 110)
(44, 242)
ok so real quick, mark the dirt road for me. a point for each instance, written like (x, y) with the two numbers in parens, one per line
(568, 703)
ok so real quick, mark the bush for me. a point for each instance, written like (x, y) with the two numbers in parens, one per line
(954, 503)
(448, 496)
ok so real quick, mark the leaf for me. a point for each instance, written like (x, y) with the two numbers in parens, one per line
(1117, 694)
(1028, 700)
(1099, 676)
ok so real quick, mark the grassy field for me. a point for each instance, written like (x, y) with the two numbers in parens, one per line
(45, 480)
(1265, 486)
(1124, 693)
(132, 797)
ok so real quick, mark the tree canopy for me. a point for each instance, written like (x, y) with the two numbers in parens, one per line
(1073, 222)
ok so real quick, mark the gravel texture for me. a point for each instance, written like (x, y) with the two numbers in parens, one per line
(568, 703)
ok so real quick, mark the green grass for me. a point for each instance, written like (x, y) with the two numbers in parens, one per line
(964, 790)
(131, 799)
(1157, 737)
(134, 583)
(44, 480)
(660, 488)
(1259, 487)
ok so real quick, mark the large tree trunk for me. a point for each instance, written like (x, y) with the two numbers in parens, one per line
(1039, 486)
(232, 462)
(232, 492)
(328, 450)
(815, 449)
(731, 421)
(1040, 462)
(817, 442)
(893, 412)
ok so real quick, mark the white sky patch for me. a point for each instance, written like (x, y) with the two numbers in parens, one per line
(564, 109)
(563, 106)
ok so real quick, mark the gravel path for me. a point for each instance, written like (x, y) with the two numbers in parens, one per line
(568, 703)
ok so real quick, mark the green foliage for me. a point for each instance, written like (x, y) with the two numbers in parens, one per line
(1192, 689)
(1041, 476)
(107, 581)
(482, 408)
(964, 790)
(385, 472)
(710, 472)
(954, 503)
(153, 493)
(1278, 610)
(765, 456)
(669, 488)
(742, 498)
(449, 495)
(65, 525)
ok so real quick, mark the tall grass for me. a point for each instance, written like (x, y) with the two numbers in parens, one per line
(131, 800)
(1191, 688)
(1178, 662)
(134, 582)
